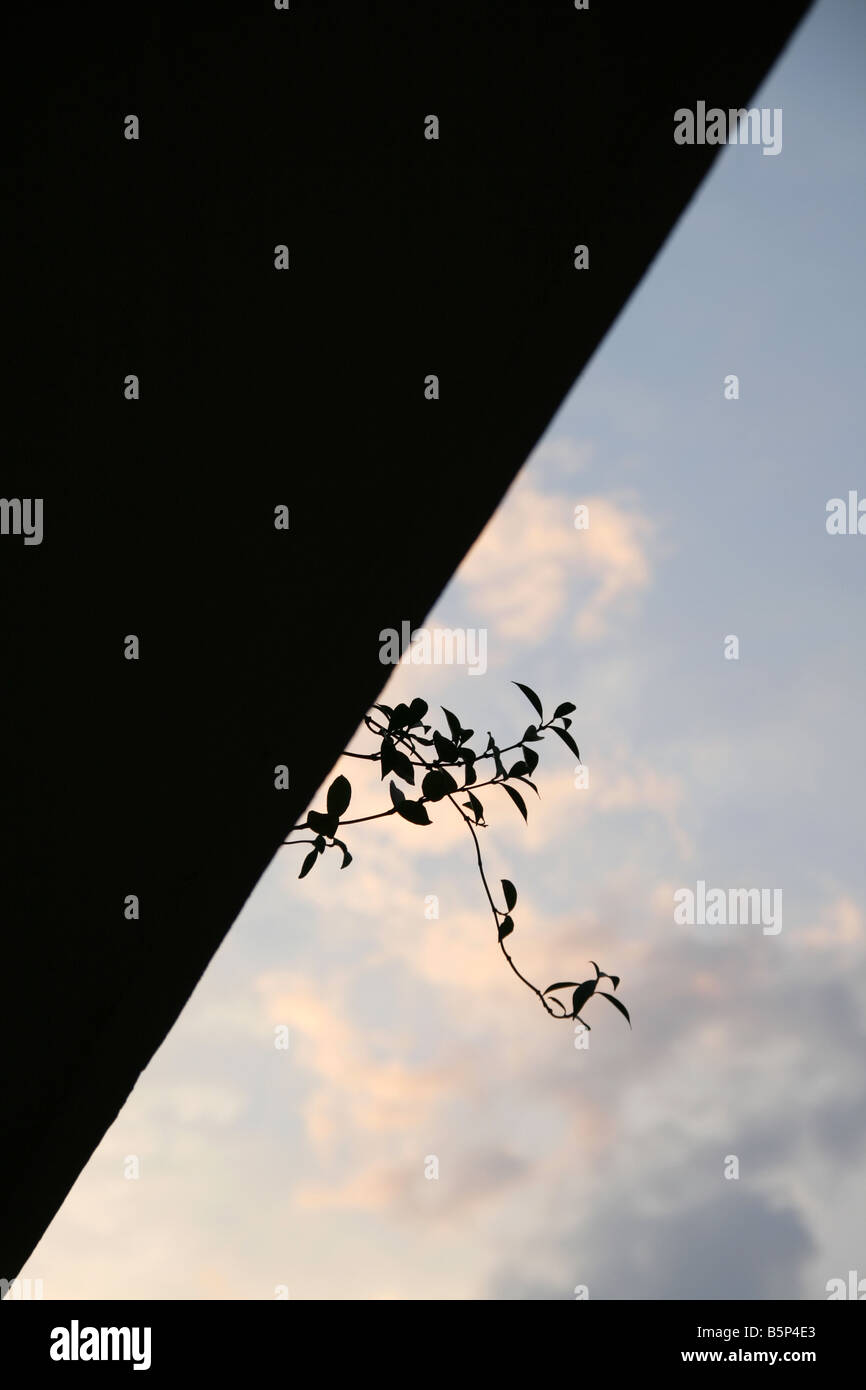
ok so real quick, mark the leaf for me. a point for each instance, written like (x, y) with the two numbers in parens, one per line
(308, 863)
(516, 798)
(446, 751)
(437, 784)
(470, 775)
(397, 795)
(323, 825)
(617, 1005)
(526, 782)
(506, 927)
(465, 734)
(561, 984)
(339, 796)
(567, 740)
(453, 723)
(347, 858)
(510, 892)
(518, 769)
(475, 806)
(532, 735)
(395, 761)
(531, 759)
(417, 710)
(531, 697)
(386, 753)
(603, 975)
(400, 717)
(566, 708)
(413, 812)
(402, 765)
(386, 709)
(581, 994)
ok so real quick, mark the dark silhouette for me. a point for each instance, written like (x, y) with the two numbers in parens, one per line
(452, 751)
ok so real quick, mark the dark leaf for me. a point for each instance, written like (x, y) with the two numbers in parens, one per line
(581, 994)
(446, 751)
(308, 863)
(347, 858)
(417, 710)
(400, 717)
(438, 783)
(567, 740)
(465, 734)
(603, 975)
(566, 708)
(531, 759)
(386, 709)
(518, 769)
(387, 755)
(561, 984)
(506, 927)
(470, 775)
(403, 767)
(617, 1005)
(510, 892)
(476, 807)
(397, 795)
(516, 798)
(532, 735)
(320, 843)
(323, 825)
(531, 697)
(453, 723)
(413, 812)
(339, 796)
(526, 782)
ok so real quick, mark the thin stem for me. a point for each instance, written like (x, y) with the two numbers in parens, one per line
(497, 915)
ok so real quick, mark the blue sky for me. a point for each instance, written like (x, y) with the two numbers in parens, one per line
(304, 1170)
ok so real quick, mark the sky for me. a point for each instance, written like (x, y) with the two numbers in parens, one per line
(565, 1170)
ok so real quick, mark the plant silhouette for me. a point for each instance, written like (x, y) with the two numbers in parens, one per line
(409, 747)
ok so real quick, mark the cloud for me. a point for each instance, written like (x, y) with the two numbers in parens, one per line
(353, 1090)
(841, 927)
(472, 1179)
(530, 566)
(739, 1244)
